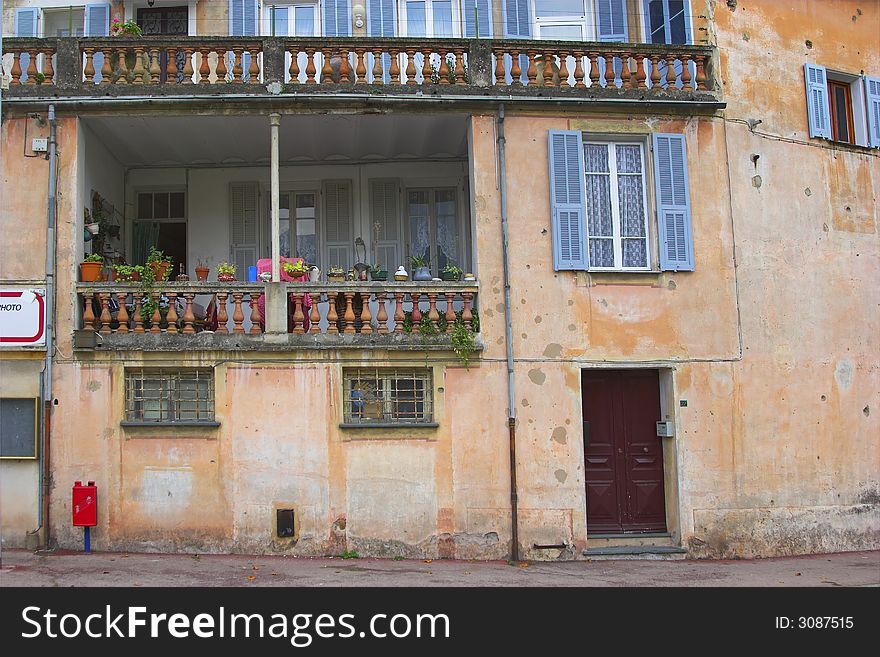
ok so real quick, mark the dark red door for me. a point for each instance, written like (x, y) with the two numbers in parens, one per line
(622, 453)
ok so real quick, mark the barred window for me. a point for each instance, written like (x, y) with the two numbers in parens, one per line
(169, 396)
(388, 396)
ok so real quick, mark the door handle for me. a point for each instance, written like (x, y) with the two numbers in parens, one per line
(645, 450)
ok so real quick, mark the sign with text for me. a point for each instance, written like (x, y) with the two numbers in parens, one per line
(22, 318)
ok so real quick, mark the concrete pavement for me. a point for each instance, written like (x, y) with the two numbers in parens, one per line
(24, 568)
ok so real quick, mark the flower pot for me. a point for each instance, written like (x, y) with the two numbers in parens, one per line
(202, 273)
(336, 278)
(422, 274)
(93, 228)
(448, 277)
(159, 269)
(379, 275)
(225, 278)
(90, 271)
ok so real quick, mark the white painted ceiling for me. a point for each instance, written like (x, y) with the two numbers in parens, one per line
(234, 140)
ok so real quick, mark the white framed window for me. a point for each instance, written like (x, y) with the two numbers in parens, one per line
(842, 107)
(65, 22)
(429, 18)
(667, 21)
(291, 19)
(561, 20)
(388, 396)
(435, 226)
(298, 219)
(616, 205)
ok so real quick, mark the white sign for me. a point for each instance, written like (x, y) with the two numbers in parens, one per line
(22, 318)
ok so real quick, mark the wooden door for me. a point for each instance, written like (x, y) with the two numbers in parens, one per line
(623, 455)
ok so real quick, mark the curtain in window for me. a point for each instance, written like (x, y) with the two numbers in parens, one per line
(420, 224)
(447, 229)
(145, 236)
(599, 220)
(631, 205)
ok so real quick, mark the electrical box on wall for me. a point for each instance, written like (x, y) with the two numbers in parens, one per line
(40, 145)
(665, 429)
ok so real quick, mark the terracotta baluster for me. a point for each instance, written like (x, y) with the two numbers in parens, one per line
(444, 68)
(221, 69)
(155, 69)
(156, 319)
(450, 310)
(410, 66)
(344, 67)
(378, 73)
(360, 69)
(188, 316)
(32, 68)
(625, 72)
(48, 69)
(532, 72)
(171, 67)
(256, 318)
(89, 68)
(655, 73)
(609, 71)
(546, 71)
(294, 65)
(366, 316)
(237, 313)
(563, 70)
(641, 77)
(416, 313)
(138, 69)
(399, 316)
(106, 68)
(579, 70)
(701, 72)
(433, 315)
(670, 72)
(332, 317)
(204, 68)
(299, 319)
(222, 317)
(394, 71)
(458, 72)
(310, 66)
(88, 317)
(594, 70)
(515, 68)
(326, 70)
(498, 53)
(466, 315)
(136, 318)
(686, 72)
(122, 78)
(349, 312)
(188, 71)
(254, 68)
(171, 318)
(122, 314)
(105, 318)
(315, 315)
(236, 64)
(16, 69)
(382, 314)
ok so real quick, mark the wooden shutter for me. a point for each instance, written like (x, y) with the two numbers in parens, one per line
(26, 23)
(481, 19)
(97, 22)
(384, 210)
(244, 225)
(567, 200)
(818, 108)
(872, 105)
(611, 20)
(337, 222)
(673, 203)
(517, 19)
(337, 18)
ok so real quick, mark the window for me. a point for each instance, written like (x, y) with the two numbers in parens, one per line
(433, 227)
(599, 203)
(428, 18)
(617, 227)
(382, 396)
(841, 112)
(842, 107)
(299, 237)
(64, 22)
(667, 21)
(157, 396)
(161, 222)
(563, 20)
(291, 19)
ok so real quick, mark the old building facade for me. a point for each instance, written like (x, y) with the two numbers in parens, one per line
(669, 209)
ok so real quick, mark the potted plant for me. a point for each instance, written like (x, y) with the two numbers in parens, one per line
(127, 273)
(336, 275)
(451, 272)
(159, 264)
(296, 269)
(90, 268)
(421, 270)
(202, 271)
(225, 272)
(378, 273)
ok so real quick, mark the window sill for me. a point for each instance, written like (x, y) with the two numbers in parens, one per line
(168, 425)
(389, 425)
(638, 278)
(859, 148)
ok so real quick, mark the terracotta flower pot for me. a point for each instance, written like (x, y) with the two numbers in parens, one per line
(225, 278)
(202, 273)
(90, 271)
(159, 269)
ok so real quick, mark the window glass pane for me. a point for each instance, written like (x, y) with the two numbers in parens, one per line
(387, 395)
(447, 229)
(557, 8)
(304, 21)
(306, 228)
(416, 19)
(442, 18)
(839, 98)
(284, 224)
(573, 32)
(169, 396)
(631, 206)
(419, 224)
(596, 158)
(629, 158)
(599, 205)
(177, 210)
(601, 253)
(677, 21)
(656, 21)
(145, 206)
(160, 206)
(635, 253)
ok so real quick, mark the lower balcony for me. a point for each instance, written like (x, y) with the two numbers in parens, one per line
(183, 316)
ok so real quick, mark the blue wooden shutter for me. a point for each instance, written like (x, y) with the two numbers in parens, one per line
(611, 20)
(26, 22)
(337, 18)
(818, 108)
(673, 203)
(517, 19)
(236, 17)
(482, 19)
(380, 18)
(97, 20)
(567, 200)
(872, 102)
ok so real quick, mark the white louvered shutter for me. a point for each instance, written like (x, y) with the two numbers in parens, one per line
(337, 221)
(244, 226)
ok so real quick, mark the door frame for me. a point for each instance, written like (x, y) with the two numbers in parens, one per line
(671, 474)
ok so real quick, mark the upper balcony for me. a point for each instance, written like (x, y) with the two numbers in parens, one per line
(357, 70)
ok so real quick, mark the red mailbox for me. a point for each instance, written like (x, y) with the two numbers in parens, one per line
(85, 504)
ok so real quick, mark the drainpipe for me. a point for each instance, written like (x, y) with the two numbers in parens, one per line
(508, 335)
(275, 122)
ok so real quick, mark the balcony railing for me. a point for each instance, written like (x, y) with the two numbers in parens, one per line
(188, 315)
(187, 65)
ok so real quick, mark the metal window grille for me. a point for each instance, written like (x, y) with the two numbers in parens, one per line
(388, 396)
(168, 396)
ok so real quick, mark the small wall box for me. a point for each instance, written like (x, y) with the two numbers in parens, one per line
(665, 429)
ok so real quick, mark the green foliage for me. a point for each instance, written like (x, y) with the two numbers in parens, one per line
(126, 272)
(157, 256)
(463, 342)
(452, 272)
(398, 558)
(226, 268)
(350, 554)
(418, 261)
(128, 28)
(94, 257)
